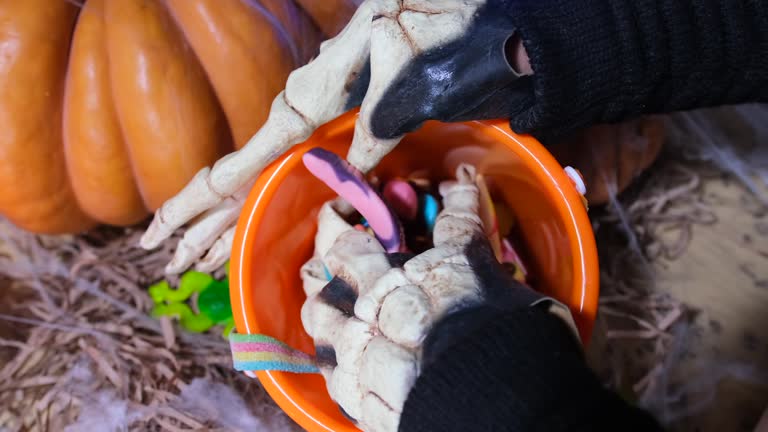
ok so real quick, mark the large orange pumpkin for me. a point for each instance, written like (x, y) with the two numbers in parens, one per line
(109, 108)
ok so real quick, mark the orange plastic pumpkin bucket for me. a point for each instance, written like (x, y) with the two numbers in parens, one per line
(275, 235)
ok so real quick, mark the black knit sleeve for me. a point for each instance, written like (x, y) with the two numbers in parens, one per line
(602, 61)
(513, 371)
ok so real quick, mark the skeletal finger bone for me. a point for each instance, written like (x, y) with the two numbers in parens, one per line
(178, 209)
(314, 95)
(449, 285)
(284, 127)
(418, 267)
(358, 258)
(353, 341)
(409, 301)
(313, 276)
(459, 221)
(445, 276)
(390, 51)
(344, 388)
(385, 358)
(449, 280)
(420, 18)
(200, 236)
(322, 321)
(330, 225)
(368, 304)
(377, 415)
(219, 253)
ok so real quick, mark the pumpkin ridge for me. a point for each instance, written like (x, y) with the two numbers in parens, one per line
(297, 21)
(242, 54)
(282, 30)
(36, 192)
(168, 111)
(101, 172)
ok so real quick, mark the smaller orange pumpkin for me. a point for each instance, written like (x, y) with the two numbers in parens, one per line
(612, 156)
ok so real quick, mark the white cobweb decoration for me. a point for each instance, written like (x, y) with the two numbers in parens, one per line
(645, 333)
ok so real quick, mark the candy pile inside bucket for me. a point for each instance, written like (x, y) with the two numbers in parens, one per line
(414, 201)
(401, 212)
(392, 257)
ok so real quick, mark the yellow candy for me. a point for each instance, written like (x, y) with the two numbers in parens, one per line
(504, 217)
(488, 216)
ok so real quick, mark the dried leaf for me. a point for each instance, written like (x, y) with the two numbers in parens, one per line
(169, 335)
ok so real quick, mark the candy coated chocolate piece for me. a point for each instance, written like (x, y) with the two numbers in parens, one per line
(214, 301)
(429, 210)
(400, 195)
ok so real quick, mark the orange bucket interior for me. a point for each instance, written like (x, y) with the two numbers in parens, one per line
(275, 236)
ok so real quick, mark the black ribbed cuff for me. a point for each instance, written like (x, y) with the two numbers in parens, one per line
(520, 371)
(603, 61)
(577, 61)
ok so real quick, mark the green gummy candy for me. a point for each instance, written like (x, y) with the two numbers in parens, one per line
(190, 283)
(177, 310)
(197, 323)
(214, 301)
(187, 319)
(228, 329)
(158, 291)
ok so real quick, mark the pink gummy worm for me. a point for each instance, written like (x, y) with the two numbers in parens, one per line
(350, 185)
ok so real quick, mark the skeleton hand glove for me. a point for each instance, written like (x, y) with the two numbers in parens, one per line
(406, 61)
(446, 340)
(371, 322)
(400, 61)
(470, 78)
